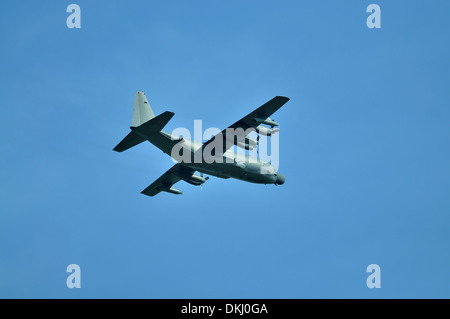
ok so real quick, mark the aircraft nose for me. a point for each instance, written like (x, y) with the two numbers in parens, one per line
(280, 179)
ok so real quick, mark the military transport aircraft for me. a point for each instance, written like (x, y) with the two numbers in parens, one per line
(190, 156)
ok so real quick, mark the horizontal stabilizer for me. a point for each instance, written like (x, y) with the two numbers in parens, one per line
(132, 139)
(155, 125)
(143, 132)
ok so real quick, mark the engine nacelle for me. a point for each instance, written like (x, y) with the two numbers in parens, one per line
(266, 131)
(266, 121)
(171, 190)
(245, 146)
(194, 179)
(248, 143)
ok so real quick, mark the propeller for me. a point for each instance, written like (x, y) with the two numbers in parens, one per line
(257, 145)
(206, 178)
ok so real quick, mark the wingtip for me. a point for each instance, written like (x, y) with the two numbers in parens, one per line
(117, 149)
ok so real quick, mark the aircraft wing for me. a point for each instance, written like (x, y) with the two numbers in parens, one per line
(252, 120)
(167, 180)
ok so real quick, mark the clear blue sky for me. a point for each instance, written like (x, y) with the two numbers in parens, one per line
(364, 147)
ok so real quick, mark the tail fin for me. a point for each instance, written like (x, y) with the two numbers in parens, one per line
(144, 123)
(142, 112)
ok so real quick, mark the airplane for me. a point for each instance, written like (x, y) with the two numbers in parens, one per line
(226, 163)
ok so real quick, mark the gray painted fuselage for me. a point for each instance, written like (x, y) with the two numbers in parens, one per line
(228, 165)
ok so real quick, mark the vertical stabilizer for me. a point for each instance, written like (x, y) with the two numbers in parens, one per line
(142, 112)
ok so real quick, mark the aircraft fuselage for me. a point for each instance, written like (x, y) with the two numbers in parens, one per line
(229, 165)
